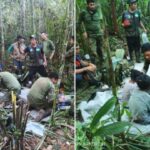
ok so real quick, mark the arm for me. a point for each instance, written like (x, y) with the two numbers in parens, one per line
(51, 47)
(81, 26)
(52, 54)
(142, 26)
(141, 23)
(45, 60)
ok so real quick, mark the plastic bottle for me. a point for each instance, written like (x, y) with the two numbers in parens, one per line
(144, 38)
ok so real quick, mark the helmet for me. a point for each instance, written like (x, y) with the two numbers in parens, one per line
(132, 1)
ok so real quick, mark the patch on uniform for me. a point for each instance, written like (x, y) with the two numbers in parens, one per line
(136, 15)
(127, 16)
(37, 49)
(31, 49)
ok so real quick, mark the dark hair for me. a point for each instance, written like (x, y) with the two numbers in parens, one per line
(53, 75)
(135, 74)
(131, 1)
(61, 85)
(145, 47)
(90, 1)
(143, 82)
(19, 37)
(72, 37)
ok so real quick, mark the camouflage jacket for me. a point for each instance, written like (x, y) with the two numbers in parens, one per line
(91, 22)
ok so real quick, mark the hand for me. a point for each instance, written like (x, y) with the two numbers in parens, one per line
(85, 35)
(45, 64)
(145, 30)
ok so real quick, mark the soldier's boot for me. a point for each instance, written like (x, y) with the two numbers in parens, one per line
(137, 54)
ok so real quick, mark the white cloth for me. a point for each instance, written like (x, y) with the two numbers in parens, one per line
(127, 90)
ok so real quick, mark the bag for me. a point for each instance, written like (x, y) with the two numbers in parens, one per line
(144, 38)
(126, 23)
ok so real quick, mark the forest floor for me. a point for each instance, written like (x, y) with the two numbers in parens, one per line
(59, 136)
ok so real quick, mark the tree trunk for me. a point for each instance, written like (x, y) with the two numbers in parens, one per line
(33, 17)
(22, 13)
(2, 36)
(114, 17)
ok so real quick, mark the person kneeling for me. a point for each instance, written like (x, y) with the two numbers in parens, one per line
(139, 102)
(41, 95)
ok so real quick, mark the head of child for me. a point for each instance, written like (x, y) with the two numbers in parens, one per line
(146, 51)
(135, 74)
(143, 82)
(132, 4)
(53, 77)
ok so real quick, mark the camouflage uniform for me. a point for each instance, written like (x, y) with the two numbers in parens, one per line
(10, 82)
(40, 93)
(91, 24)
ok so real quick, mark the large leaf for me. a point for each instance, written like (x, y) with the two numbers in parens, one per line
(102, 111)
(111, 129)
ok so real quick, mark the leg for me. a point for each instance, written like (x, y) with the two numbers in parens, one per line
(137, 49)
(42, 71)
(16, 66)
(32, 72)
(93, 50)
(42, 114)
(99, 47)
(130, 46)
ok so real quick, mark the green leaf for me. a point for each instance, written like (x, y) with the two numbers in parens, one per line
(111, 129)
(102, 111)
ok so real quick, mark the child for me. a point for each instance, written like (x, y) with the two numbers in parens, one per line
(131, 85)
(139, 102)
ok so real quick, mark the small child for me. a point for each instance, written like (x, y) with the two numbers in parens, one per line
(131, 85)
(139, 102)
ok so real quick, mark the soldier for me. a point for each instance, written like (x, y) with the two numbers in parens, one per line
(131, 21)
(48, 46)
(89, 22)
(41, 95)
(10, 82)
(17, 53)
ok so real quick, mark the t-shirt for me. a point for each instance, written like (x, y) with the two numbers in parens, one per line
(35, 55)
(139, 104)
(78, 62)
(10, 81)
(127, 90)
(41, 89)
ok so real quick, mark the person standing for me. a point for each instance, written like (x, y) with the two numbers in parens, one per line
(37, 59)
(131, 21)
(89, 23)
(17, 53)
(48, 46)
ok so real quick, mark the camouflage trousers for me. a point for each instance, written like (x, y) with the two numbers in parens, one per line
(95, 49)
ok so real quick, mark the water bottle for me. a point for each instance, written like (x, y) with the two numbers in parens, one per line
(144, 38)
